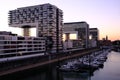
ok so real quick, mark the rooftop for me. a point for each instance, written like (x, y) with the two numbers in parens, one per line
(75, 22)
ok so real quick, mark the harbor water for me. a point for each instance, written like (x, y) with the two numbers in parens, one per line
(110, 71)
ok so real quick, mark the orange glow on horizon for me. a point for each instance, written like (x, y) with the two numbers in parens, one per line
(110, 37)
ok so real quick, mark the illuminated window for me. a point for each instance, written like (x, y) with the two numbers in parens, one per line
(73, 36)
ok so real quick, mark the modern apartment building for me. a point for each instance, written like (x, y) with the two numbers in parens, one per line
(94, 33)
(13, 45)
(46, 18)
(81, 29)
(94, 37)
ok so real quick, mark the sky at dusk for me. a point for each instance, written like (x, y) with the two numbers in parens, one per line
(103, 14)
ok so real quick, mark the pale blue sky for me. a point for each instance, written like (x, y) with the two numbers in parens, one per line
(103, 14)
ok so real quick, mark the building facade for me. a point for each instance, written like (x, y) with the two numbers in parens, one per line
(94, 37)
(94, 33)
(46, 18)
(82, 30)
(13, 45)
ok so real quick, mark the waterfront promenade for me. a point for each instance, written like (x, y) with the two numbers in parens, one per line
(44, 60)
